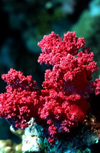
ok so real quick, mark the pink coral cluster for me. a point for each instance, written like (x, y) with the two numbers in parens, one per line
(63, 101)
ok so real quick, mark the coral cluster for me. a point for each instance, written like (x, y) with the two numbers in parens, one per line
(63, 103)
(6, 146)
(20, 99)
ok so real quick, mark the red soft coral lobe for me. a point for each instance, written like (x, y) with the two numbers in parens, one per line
(55, 47)
(17, 80)
(97, 86)
(20, 103)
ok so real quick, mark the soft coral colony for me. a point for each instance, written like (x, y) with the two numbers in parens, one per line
(63, 102)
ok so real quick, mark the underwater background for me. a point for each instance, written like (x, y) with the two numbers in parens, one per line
(23, 23)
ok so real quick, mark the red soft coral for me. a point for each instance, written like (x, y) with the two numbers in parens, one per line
(20, 103)
(97, 86)
(63, 101)
(68, 82)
